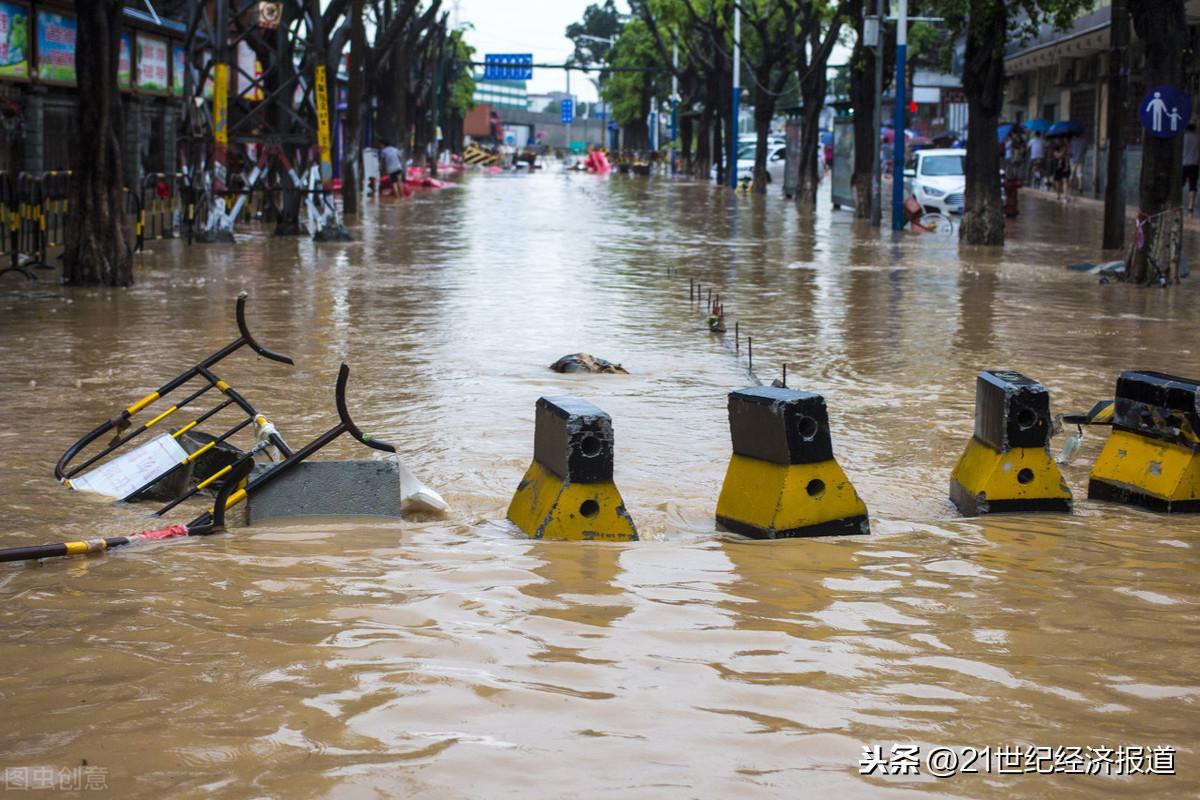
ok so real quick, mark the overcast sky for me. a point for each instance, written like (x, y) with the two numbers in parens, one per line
(530, 26)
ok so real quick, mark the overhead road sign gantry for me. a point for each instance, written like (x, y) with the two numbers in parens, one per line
(508, 67)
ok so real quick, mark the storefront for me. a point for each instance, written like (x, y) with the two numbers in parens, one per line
(38, 98)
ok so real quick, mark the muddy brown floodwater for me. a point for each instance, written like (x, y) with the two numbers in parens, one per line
(452, 657)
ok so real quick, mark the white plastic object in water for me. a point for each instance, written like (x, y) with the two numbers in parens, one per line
(416, 496)
(1070, 448)
(133, 470)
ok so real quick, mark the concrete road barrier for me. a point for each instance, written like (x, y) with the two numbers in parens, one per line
(568, 490)
(783, 480)
(330, 489)
(1007, 465)
(1150, 458)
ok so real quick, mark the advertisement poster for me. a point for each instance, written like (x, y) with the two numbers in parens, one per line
(151, 64)
(56, 47)
(14, 41)
(125, 62)
(178, 66)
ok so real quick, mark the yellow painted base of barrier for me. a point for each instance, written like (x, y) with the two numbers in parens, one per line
(1155, 474)
(546, 507)
(766, 500)
(1023, 479)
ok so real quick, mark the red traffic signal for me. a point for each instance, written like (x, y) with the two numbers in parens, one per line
(912, 106)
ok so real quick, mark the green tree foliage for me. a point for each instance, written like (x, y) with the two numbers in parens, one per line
(601, 22)
(629, 92)
(462, 82)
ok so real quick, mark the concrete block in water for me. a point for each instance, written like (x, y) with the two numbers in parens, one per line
(568, 491)
(330, 489)
(1007, 465)
(1152, 456)
(783, 480)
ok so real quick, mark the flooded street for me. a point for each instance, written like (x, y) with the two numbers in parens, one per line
(450, 656)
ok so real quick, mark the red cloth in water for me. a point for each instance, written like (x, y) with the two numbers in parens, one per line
(169, 532)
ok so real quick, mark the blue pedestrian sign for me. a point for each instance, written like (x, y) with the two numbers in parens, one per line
(1165, 111)
(508, 67)
(568, 111)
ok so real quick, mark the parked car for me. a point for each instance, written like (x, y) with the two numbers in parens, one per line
(776, 158)
(938, 179)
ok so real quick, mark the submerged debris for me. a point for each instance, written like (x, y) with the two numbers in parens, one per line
(585, 362)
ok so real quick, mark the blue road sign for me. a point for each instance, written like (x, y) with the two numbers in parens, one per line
(508, 67)
(568, 111)
(1165, 111)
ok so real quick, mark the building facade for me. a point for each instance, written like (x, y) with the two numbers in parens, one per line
(1063, 75)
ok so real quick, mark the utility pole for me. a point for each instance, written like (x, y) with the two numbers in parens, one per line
(1114, 195)
(674, 102)
(737, 95)
(653, 124)
(876, 124)
(898, 118)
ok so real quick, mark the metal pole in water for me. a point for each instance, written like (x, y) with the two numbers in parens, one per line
(737, 337)
(750, 351)
(877, 166)
(737, 95)
(898, 119)
(785, 375)
(674, 102)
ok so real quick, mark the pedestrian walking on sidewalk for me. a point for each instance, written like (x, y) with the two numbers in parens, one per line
(1191, 163)
(1079, 150)
(1060, 163)
(1037, 160)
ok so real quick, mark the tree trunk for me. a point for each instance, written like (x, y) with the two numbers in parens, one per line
(1114, 192)
(810, 140)
(866, 132)
(703, 162)
(764, 111)
(352, 141)
(685, 142)
(1162, 27)
(98, 252)
(983, 84)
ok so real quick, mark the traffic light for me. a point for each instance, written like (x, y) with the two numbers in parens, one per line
(912, 106)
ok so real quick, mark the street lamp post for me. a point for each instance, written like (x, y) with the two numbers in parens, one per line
(876, 124)
(898, 118)
(674, 102)
(737, 95)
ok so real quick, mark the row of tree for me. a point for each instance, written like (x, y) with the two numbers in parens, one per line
(785, 50)
(409, 76)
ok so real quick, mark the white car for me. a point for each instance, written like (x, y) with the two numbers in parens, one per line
(776, 158)
(938, 179)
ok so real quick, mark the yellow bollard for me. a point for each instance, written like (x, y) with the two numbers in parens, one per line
(1151, 456)
(783, 480)
(568, 490)
(1007, 466)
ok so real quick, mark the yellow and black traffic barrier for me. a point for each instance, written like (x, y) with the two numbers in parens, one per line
(568, 490)
(237, 486)
(783, 480)
(1152, 456)
(71, 472)
(476, 156)
(1007, 466)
